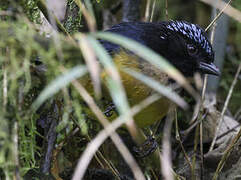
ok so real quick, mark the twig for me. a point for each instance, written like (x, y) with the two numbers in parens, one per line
(109, 164)
(91, 22)
(42, 6)
(201, 149)
(237, 114)
(225, 106)
(147, 11)
(50, 136)
(166, 9)
(15, 150)
(226, 154)
(153, 10)
(230, 11)
(92, 63)
(5, 80)
(187, 131)
(5, 88)
(180, 142)
(166, 161)
(201, 106)
(195, 150)
(108, 130)
(219, 14)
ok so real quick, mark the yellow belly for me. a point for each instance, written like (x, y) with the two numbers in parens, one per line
(136, 91)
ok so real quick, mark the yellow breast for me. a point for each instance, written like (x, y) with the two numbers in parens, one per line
(136, 91)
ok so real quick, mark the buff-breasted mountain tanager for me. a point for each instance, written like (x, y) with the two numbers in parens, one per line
(184, 45)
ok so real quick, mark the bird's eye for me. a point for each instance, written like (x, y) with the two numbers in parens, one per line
(191, 49)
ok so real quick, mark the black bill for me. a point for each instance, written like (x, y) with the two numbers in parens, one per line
(209, 68)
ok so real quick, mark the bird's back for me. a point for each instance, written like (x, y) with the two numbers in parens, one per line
(145, 33)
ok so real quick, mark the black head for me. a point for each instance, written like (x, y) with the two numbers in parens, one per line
(188, 48)
(184, 44)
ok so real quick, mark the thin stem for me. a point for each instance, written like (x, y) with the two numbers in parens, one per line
(147, 11)
(166, 9)
(226, 154)
(84, 161)
(153, 10)
(225, 106)
(219, 14)
(166, 146)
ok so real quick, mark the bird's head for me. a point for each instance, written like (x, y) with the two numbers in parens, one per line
(188, 48)
(183, 44)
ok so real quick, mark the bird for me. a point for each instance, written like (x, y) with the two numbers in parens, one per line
(185, 45)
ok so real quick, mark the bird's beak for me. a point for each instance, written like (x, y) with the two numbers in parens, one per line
(207, 68)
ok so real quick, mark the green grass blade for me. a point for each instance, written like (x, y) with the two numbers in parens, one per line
(163, 90)
(149, 55)
(59, 83)
(113, 82)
